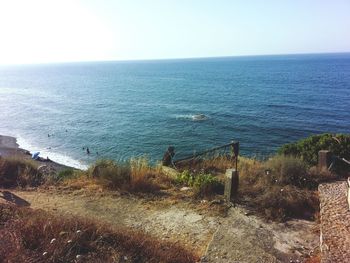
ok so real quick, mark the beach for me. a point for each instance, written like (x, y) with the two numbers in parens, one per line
(10, 148)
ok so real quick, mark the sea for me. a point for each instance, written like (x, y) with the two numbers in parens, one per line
(126, 109)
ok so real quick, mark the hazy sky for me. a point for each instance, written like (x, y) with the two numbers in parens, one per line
(67, 30)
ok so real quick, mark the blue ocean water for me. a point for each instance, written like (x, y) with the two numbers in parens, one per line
(126, 109)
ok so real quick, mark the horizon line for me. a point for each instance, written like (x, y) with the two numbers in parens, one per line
(167, 59)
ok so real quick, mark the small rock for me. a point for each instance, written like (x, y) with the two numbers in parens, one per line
(62, 233)
(185, 188)
(217, 201)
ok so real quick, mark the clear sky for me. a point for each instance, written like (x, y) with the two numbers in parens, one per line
(39, 31)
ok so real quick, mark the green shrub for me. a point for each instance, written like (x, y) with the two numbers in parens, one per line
(307, 149)
(206, 184)
(203, 184)
(185, 178)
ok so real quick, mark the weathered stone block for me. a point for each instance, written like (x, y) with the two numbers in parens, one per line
(231, 184)
(324, 159)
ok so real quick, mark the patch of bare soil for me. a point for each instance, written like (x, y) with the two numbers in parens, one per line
(246, 238)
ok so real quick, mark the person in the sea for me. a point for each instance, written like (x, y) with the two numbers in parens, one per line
(168, 156)
(87, 150)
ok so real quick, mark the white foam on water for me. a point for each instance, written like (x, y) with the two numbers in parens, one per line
(193, 117)
(56, 157)
(199, 117)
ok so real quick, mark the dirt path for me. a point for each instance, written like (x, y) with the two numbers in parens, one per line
(176, 223)
(237, 238)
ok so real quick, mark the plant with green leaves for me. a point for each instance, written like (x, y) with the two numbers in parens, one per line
(307, 149)
(206, 184)
(185, 178)
(203, 184)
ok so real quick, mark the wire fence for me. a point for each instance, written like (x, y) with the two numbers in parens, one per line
(229, 151)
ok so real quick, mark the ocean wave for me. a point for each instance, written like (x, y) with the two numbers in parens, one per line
(54, 156)
(193, 117)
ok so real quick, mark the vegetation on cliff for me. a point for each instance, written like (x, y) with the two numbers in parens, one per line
(284, 186)
(280, 188)
(307, 149)
(19, 172)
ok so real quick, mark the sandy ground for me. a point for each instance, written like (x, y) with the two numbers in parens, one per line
(9, 146)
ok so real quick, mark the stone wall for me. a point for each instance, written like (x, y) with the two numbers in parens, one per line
(335, 222)
(349, 192)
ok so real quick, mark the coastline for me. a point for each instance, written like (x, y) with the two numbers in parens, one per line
(10, 148)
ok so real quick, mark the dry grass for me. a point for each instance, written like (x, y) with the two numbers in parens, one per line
(251, 175)
(313, 259)
(280, 188)
(83, 181)
(287, 191)
(36, 236)
(16, 171)
(214, 165)
(110, 174)
(281, 203)
(137, 175)
(320, 176)
(145, 178)
(218, 164)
